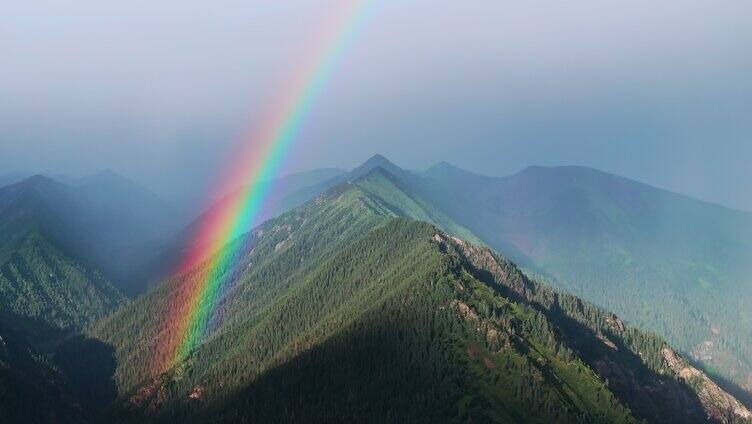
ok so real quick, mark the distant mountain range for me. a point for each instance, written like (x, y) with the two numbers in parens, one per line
(104, 220)
(47, 260)
(377, 295)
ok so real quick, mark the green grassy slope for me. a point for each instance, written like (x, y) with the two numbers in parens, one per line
(381, 184)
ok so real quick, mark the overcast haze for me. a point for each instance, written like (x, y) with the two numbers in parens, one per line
(160, 90)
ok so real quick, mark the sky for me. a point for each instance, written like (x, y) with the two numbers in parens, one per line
(164, 91)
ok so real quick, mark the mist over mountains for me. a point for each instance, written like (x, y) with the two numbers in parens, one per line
(195, 226)
(472, 297)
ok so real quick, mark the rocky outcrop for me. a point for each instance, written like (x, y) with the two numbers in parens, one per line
(720, 406)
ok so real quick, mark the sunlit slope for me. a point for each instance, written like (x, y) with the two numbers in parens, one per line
(382, 185)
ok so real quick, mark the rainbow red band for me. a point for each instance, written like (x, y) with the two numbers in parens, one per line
(260, 161)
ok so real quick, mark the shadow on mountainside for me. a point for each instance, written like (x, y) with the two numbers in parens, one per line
(89, 366)
(31, 389)
(370, 373)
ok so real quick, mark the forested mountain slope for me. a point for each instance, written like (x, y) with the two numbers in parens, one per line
(44, 273)
(50, 287)
(102, 212)
(342, 310)
(40, 280)
(105, 220)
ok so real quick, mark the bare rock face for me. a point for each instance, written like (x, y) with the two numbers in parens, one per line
(720, 406)
(483, 259)
(196, 393)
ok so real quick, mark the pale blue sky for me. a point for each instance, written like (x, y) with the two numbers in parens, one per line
(159, 90)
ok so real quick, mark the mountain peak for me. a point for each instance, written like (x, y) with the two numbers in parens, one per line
(375, 161)
(106, 181)
(446, 169)
(441, 168)
(38, 180)
(37, 183)
(375, 176)
(565, 170)
(107, 175)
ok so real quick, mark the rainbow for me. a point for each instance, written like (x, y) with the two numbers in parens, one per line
(260, 160)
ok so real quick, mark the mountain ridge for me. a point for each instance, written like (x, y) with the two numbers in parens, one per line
(666, 245)
(285, 263)
(348, 272)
